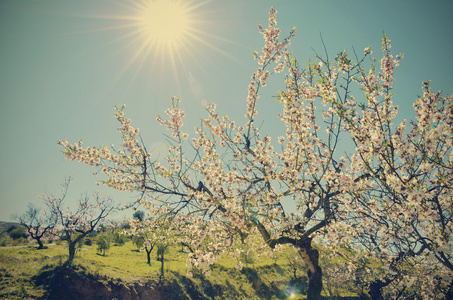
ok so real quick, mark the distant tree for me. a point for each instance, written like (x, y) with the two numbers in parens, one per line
(139, 215)
(119, 239)
(103, 242)
(295, 264)
(247, 257)
(138, 241)
(38, 222)
(160, 256)
(4, 239)
(74, 225)
(144, 243)
(244, 255)
(147, 234)
(81, 243)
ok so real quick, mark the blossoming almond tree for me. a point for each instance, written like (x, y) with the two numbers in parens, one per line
(236, 184)
(230, 182)
(150, 232)
(401, 214)
(409, 204)
(78, 223)
(218, 203)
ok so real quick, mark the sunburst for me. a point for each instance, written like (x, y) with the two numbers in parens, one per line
(164, 24)
(164, 27)
(164, 39)
(164, 34)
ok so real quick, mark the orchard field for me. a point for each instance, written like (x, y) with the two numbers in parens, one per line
(29, 273)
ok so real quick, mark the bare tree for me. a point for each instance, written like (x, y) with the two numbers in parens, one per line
(39, 223)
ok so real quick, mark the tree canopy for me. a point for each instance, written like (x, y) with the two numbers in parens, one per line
(388, 199)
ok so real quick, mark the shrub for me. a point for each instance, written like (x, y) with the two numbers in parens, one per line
(119, 239)
(80, 243)
(17, 232)
(103, 242)
(19, 241)
(5, 239)
(138, 241)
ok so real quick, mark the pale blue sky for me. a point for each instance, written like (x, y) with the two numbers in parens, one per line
(65, 64)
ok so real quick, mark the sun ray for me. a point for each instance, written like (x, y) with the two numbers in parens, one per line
(163, 25)
(163, 39)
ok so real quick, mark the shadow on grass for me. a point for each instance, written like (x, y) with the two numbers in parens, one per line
(181, 287)
(262, 290)
(66, 282)
(75, 282)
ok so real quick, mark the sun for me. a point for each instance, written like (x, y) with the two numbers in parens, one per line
(163, 35)
(164, 39)
(164, 24)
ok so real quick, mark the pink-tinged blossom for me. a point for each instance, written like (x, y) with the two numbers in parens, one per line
(279, 68)
(367, 51)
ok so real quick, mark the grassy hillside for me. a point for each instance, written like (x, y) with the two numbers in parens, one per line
(28, 273)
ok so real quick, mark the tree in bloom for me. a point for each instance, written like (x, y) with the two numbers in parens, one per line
(148, 233)
(144, 236)
(39, 223)
(230, 182)
(144, 243)
(400, 213)
(74, 225)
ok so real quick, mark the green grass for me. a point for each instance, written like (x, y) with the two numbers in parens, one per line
(127, 263)
(17, 266)
(265, 278)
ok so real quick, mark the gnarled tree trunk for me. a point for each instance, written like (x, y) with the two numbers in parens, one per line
(41, 245)
(449, 294)
(309, 255)
(311, 258)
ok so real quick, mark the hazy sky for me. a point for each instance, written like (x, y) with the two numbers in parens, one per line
(65, 64)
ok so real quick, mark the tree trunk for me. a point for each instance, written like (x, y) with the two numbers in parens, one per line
(41, 246)
(71, 252)
(311, 257)
(449, 294)
(148, 255)
(162, 264)
(376, 288)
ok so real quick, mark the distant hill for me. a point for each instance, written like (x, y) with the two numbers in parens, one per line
(5, 225)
